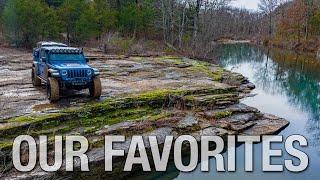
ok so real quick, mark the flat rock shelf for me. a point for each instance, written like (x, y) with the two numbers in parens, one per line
(142, 95)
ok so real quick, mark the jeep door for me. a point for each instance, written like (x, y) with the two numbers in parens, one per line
(43, 68)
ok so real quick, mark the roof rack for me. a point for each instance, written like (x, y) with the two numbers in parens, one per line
(65, 50)
(50, 44)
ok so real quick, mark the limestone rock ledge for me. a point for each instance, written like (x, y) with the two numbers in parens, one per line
(185, 97)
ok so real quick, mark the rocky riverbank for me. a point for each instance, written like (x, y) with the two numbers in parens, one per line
(142, 95)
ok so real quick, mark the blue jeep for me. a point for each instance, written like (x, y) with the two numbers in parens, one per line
(61, 67)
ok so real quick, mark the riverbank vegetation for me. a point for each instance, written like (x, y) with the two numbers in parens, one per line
(294, 25)
(136, 26)
(132, 25)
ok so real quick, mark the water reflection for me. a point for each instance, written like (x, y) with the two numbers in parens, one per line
(287, 85)
(278, 72)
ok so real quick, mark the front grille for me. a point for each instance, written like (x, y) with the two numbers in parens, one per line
(77, 73)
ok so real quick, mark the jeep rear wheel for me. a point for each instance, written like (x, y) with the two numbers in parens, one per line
(95, 88)
(53, 89)
(35, 80)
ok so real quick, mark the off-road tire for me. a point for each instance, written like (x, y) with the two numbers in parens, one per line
(95, 88)
(53, 89)
(35, 80)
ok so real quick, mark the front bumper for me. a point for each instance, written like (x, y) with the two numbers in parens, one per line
(76, 81)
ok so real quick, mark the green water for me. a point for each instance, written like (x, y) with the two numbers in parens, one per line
(287, 85)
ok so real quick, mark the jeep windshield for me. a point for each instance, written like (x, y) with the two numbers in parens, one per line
(68, 57)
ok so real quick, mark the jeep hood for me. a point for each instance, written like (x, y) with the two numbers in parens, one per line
(70, 65)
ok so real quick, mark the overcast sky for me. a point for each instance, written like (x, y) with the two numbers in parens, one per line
(248, 4)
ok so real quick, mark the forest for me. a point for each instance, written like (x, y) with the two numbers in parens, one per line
(190, 26)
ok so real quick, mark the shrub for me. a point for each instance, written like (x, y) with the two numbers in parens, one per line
(27, 21)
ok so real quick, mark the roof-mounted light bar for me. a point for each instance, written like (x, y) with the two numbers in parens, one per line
(66, 51)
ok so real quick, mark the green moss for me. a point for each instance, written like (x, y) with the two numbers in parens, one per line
(209, 100)
(222, 114)
(217, 75)
(34, 119)
(161, 115)
(169, 57)
(22, 119)
(97, 143)
(89, 125)
(50, 130)
(5, 145)
(128, 107)
(173, 59)
(205, 68)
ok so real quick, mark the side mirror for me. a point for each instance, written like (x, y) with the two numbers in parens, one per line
(44, 59)
(36, 53)
(87, 59)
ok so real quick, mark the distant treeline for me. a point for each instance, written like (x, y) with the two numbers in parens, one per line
(297, 25)
(189, 25)
(181, 23)
(26, 21)
(298, 19)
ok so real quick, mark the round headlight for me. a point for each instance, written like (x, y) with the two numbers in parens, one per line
(89, 72)
(64, 72)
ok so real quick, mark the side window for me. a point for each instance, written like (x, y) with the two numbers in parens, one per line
(43, 55)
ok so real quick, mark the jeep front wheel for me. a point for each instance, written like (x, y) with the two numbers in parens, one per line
(53, 89)
(35, 80)
(95, 88)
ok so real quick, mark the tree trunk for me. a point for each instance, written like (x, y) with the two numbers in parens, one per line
(270, 24)
(196, 21)
(164, 29)
(171, 22)
(118, 4)
(68, 36)
(182, 26)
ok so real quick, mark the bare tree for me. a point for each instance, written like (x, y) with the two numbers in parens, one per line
(167, 8)
(192, 25)
(182, 24)
(267, 7)
(309, 13)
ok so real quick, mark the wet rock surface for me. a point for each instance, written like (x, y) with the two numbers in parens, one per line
(156, 96)
(119, 75)
(188, 121)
